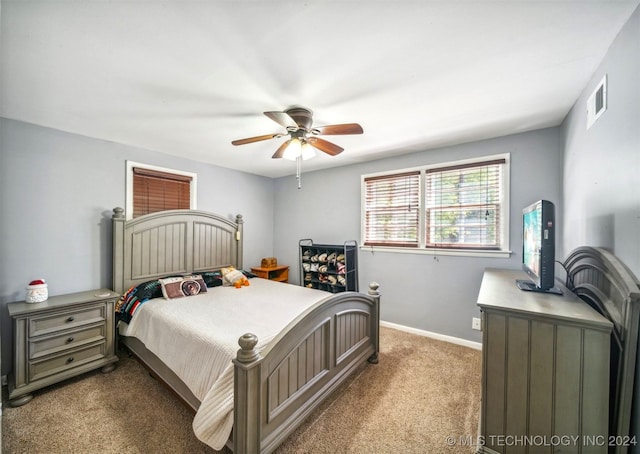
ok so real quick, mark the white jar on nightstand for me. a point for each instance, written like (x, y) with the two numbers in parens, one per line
(37, 291)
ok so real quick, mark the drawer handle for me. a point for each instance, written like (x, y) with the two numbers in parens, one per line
(70, 359)
(70, 339)
(70, 319)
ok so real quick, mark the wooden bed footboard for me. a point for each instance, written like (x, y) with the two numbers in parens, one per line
(599, 278)
(277, 389)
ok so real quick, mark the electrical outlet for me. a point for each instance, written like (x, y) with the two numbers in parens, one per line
(475, 323)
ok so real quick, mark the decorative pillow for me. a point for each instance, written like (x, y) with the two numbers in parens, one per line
(136, 296)
(232, 276)
(178, 287)
(212, 278)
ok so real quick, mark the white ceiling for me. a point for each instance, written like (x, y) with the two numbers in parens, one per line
(187, 77)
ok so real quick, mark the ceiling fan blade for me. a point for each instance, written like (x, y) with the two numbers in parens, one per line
(283, 119)
(324, 145)
(347, 128)
(255, 139)
(280, 151)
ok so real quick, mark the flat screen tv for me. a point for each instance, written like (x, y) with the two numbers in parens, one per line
(539, 247)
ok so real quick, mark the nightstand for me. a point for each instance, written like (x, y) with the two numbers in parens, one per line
(278, 273)
(64, 336)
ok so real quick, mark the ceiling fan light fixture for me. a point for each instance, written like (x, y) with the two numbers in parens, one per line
(294, 149)
(307, 151)
(298, 148)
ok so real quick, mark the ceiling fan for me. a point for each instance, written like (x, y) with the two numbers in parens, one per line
(298, 123)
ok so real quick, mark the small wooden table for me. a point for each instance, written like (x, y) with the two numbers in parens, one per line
(278, 273)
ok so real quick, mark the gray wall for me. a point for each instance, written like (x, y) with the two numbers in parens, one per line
(432, 293)
(602, 165)
(57, 191)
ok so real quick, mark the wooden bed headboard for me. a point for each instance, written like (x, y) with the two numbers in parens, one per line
(172, 242)
(606, 284)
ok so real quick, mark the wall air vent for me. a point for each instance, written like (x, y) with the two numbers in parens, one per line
(597, 102)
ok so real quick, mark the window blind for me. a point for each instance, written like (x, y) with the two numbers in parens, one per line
(155, 191)
(462, 205)
(392, 210)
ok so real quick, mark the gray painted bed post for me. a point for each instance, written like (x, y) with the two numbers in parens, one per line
(375, 294)
(239, 240)
(246, 423)
(118, 250)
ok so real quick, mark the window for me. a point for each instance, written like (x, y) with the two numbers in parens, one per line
(459, 207)
(151, 189)
(391, 209)
(462, 206)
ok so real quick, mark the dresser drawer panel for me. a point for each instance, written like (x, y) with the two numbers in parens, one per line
(67, 320)
(68, 340)
(58, 364)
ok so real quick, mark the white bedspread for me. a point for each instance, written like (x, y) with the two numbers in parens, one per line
(197, 337)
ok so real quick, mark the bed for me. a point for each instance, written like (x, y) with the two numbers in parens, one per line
(606, 284)
(275, 384)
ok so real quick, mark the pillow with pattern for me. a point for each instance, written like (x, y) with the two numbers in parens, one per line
(136, 296)
(178, 287)
(212, 278)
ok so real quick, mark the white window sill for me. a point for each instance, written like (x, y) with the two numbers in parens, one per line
(440, 252)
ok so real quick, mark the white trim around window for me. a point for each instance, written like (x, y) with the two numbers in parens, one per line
(129, 184)
(502, 251)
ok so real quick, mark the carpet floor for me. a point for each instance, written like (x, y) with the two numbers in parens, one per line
(422, 397)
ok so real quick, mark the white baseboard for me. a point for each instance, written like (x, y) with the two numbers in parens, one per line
(442, 337)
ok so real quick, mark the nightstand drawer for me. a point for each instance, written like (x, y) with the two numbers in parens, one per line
(75, 358)
(68, 340)
(69, 319)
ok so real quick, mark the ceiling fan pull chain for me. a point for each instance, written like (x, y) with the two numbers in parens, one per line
(298, 167)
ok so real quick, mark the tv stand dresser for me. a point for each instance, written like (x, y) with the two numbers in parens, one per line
(545, 370)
